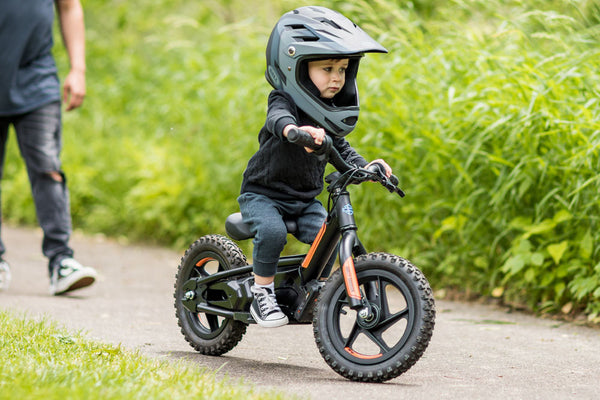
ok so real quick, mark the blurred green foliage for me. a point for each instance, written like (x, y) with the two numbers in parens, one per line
(488, 111)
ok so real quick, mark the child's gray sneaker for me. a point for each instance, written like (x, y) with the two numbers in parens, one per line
(4, 275)
(265, 310)
(70, 275)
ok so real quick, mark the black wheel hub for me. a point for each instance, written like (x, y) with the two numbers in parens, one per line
(372, 320)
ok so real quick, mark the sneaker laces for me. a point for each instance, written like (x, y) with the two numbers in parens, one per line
(267, 301)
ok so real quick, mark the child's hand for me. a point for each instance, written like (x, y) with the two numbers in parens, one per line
(388, 169)
(318, 134)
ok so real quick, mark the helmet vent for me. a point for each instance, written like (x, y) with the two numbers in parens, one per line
(329, 22)
(327, 33)
(301, 34)
(350, 121)
(306, 38)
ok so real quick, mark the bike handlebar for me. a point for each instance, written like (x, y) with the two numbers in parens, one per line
(377, 170)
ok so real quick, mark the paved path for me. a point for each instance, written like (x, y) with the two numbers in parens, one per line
(477, 352)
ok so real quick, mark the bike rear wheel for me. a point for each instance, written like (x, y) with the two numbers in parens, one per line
(208, 333)
(391, 343)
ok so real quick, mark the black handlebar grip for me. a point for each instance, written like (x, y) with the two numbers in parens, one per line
(378, 166)
(302, 138)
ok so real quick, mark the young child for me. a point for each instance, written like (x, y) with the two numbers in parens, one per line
(312, 61)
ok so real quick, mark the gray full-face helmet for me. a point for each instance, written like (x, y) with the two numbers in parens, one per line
(312, 33)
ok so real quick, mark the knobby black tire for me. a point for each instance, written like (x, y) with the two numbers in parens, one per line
(208, 334)
(388, 281)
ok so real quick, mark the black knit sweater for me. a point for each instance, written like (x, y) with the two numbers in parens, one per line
(285, 171)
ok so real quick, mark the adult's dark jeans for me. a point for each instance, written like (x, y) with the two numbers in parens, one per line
(265, 217)
(40, 141)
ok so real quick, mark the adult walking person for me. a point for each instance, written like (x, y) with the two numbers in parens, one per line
(30, 100)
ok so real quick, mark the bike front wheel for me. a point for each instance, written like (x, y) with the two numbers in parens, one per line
(397, 335)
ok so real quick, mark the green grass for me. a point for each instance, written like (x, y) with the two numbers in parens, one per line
(487, 110)
(42, 361)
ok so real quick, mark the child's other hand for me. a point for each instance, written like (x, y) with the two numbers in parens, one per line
(388, 169)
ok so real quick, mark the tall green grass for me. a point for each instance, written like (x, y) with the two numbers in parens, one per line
(488, 111)
(500, 114)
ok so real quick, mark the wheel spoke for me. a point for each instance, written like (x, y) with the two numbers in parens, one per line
(356, 330)
(391, 319)
(375, 336)
(384, 305)
(373, 291)
(213, 322)
(198, 273)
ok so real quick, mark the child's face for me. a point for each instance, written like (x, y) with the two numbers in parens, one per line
(328, 76)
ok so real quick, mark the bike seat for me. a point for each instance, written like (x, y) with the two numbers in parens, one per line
(238, 230)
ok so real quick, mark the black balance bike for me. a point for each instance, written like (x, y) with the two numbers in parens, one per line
(372, 319)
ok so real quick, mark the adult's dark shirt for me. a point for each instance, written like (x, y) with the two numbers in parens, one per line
(28, 74)
(285, 171)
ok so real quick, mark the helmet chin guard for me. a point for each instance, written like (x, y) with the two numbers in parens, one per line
(311, 33)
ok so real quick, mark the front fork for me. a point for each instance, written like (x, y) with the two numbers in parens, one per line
(356, 299)
(342, 221)
(348, 270)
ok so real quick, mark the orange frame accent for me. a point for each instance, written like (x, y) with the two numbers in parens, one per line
(313, 247)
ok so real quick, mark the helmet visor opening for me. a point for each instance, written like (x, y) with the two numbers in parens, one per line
(346, 97)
